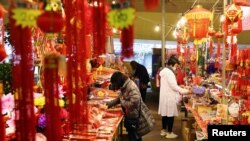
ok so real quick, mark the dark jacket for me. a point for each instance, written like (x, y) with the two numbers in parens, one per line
(142, 74)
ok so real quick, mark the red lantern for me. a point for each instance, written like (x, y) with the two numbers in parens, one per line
(50, 22)
(198, 20)
(211, 31)
(2, 50)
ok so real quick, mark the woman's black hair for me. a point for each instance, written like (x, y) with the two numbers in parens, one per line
(173, 60)
(117, 80)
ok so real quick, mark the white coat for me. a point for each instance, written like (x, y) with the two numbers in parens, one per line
(169, 90)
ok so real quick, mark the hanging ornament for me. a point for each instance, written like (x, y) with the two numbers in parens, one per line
(3, 53)
(50, 22)
(211, 33)
(121, 18)
(151, 4)
(99, 11)
(233, 21)
(218, 35)
(198, 20)
(127, 40)
(26, 17)
(22, 78)
(51, 92)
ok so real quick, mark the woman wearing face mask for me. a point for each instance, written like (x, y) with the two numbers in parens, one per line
(169, 91)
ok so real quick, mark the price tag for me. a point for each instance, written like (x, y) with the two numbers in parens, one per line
(26, 17)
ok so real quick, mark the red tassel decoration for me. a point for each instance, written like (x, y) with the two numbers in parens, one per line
(218, 35)
(2, 122)
(22, 74)
(127, 40)
(210, 46)
(99, 27)
(51, 92)
(151, 4)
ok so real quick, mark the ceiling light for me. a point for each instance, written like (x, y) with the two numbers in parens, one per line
(222, 18)
(157, 28)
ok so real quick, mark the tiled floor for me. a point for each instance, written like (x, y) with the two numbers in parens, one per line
(152, 101)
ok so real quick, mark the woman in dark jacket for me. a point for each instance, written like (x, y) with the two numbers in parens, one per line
(129, 99)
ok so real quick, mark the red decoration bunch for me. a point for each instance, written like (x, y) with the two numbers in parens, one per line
(3, 53)
(151, 4)
(22, 74)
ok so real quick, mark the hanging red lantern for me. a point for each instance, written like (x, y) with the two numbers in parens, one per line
(50, 22)
(211, 31)
(3, 53)
(198, 20)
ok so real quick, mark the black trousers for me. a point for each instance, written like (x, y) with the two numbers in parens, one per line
(167, 122)
(143, 92)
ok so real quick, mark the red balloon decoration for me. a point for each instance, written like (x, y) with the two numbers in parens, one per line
(198, 20)
(50, 22)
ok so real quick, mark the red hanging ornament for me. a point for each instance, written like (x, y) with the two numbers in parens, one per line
(3, 53)
(50, 22)
(99, 27)
(51, 92)
(218, 35)
(198, 20)
(22, 75)
(151, 4)
(211, 33)
(127, 40)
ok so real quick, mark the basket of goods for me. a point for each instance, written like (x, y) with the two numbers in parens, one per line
(198, 90)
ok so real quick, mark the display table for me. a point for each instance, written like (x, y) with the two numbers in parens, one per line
(202, 124)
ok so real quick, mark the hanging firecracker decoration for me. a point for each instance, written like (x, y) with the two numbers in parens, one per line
(22, 78)
(151, 4)
(198, 20)
(122, 17)
(99, 11)
(50, 22)
(78, 52)
(3, 53)
(51, 92)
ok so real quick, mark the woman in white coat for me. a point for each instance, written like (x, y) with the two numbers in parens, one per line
(169, 92)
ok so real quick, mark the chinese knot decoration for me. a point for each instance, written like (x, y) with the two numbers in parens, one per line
(211, 33)
(232, 27)
(198, 20)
